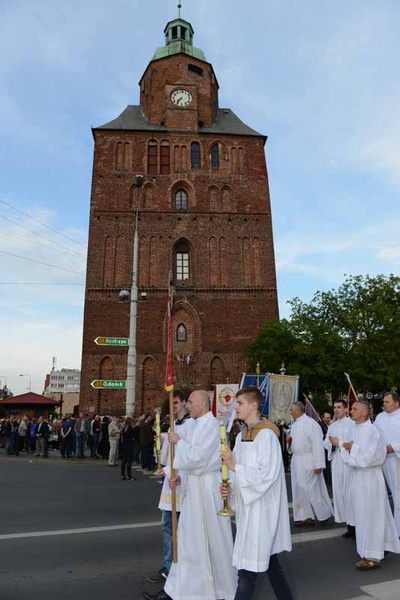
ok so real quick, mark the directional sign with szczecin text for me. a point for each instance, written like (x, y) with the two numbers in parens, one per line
(111, 341)
(109, 384)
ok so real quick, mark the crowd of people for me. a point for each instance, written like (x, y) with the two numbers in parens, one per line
(131, 441)
(364, 455)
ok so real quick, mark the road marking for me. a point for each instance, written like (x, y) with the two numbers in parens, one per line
(315, 536)
(296, 538)
(36, 534)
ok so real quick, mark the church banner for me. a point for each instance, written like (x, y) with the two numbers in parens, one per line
(283, 391)
(224, 398)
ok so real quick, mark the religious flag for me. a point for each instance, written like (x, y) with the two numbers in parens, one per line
(310, 410)
(351, 394)
(169, 373)
(223, 400)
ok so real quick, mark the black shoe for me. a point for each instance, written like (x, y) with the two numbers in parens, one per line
(350, 533)
(123, 477)
(158, 577)
(161, 595)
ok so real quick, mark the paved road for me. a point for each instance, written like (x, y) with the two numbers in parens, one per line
(74, 530)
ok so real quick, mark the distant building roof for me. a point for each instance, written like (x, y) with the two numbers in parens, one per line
(29, 399)
(133, 119)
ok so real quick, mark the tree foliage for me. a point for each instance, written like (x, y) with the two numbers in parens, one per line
(355, 328)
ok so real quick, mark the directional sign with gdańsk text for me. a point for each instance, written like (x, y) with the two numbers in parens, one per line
(111, 341)
(109, 384)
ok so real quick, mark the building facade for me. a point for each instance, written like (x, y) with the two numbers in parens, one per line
(204, 221)
(62, 381)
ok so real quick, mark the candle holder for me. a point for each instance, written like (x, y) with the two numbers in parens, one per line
(226, 510)
(158, 438)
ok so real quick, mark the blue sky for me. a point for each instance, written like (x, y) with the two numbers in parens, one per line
(319, 78)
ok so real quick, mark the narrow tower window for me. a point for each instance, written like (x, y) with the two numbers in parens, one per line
(181, 200)
(195, 155)
(182, 265)
(214, 156)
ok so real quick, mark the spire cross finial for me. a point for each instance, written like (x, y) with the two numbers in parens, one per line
(179, 9)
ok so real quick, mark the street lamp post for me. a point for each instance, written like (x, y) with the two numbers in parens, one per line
(30, 379)
(132, 353)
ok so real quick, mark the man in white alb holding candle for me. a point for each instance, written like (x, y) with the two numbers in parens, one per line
(204, 569)
(260, 498)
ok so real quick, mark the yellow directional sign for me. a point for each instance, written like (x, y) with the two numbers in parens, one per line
(111, 341)
(109, 384)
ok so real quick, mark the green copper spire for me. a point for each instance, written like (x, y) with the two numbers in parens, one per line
(178, 38)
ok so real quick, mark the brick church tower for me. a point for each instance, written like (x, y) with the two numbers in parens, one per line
(204, 218)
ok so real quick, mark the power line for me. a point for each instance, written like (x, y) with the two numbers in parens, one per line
(71, 253)
(41, 262)
(41, 223)
(42, 236)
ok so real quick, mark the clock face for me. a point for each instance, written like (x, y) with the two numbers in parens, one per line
(181, 98)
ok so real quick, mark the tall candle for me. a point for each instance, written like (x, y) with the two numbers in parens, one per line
(222, 437)
(158, 432)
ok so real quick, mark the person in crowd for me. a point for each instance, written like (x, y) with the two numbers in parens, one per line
(42, 437)
(338, 429)
(205, 544)
(259, 494)
(388, 423)
(80, 435)
(368, 509)
(8, 435)
(113, 431)
(128, 438)
(146, 439)
(32, 435)
(136, 449)
(95, 431)
(66, 437)
(104, 442)
(310, 495)
(23, 434)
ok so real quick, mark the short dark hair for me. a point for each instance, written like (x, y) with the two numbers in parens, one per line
(253, 395)
(395, 396)
(179, 394)
(342, 402)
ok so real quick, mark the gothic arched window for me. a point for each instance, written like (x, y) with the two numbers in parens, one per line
(181, 200)
(195, 155)
(215, 156)
(181, 333)
(182, 262)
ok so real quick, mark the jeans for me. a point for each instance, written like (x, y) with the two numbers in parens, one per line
(79, 444)
(167, 537)
(9, 446)
(95, 443)
(247, 582)
(66, 446)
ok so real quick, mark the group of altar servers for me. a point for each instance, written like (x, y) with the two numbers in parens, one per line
(365, 462)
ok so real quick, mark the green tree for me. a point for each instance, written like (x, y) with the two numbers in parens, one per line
(354, 329)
